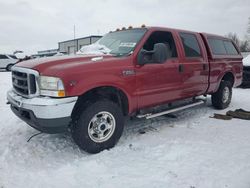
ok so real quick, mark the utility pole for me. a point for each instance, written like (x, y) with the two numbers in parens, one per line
(75, 45)
(74, 32)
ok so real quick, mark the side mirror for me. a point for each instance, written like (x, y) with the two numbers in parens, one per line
(158, 55)
(144, 57)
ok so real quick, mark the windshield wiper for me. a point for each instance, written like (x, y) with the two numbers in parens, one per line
(122, 54)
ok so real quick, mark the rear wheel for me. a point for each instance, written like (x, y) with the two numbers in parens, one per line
(99, 126)
(222, 98)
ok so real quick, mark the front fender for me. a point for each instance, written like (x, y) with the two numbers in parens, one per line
(126, 85)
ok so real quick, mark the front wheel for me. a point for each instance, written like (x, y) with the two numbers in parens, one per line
(222, 98)
(99, 126)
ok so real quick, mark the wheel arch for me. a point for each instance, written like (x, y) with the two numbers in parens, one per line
(112, 93)
(227, 76)
(8, 67)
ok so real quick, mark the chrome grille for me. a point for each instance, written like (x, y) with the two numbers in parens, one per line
(20, 82)
(24, 81)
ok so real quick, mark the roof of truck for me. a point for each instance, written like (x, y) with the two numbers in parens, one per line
(173, 29)
(184, 30)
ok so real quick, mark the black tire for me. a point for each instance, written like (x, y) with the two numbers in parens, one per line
(219, 99)
(81, 126)
(8, 68)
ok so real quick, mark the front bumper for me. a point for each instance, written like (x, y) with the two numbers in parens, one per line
(49, 115)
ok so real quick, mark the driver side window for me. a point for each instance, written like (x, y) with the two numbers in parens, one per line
(161, 37)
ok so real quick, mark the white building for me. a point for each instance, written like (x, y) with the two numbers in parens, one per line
(72, 46)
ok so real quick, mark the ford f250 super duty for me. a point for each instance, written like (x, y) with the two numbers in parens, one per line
(141, 72)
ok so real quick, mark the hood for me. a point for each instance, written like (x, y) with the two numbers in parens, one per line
(52, 65)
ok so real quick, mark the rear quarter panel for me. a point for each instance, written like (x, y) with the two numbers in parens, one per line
(219, 67)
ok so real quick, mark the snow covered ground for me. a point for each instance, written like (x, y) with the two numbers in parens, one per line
(190, 151)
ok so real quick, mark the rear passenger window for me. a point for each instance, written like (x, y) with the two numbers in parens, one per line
(3, 57)
(191, 45)
(230, 48)
(217, 46)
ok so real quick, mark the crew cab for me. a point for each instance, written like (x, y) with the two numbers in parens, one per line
(143, 72)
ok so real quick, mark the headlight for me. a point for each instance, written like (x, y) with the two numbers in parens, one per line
(51, 86)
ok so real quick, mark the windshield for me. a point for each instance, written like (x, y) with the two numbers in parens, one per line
(116, 43)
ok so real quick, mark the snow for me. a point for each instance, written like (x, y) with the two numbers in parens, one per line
(246, 61)
(190, 151)
(94, 49)
(59, 54)
(20, 55)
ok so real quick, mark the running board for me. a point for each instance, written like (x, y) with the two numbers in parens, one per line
(150, 115)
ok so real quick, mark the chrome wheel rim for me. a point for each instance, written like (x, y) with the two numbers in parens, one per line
(101, 127)
(226, 95)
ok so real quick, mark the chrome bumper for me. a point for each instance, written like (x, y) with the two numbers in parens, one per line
(44, 107)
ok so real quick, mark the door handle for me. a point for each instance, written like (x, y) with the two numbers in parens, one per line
(205, 66)
(181, 68)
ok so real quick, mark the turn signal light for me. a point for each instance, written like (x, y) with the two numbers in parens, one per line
(61, 93)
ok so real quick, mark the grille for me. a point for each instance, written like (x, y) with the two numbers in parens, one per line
(24, 82)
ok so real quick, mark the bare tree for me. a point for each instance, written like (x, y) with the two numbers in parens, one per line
(244, 46)
(248, 30)
(248, 26)
(246, 43)
(234, 37)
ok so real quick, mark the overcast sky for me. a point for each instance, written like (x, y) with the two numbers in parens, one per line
(32, 25)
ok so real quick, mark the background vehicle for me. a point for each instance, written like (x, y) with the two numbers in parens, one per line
(246, 72)
(7, 61)
(142, 72)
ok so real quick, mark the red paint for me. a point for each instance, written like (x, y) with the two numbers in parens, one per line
(152, 84)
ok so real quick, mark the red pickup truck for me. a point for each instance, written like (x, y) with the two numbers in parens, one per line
(144, 72)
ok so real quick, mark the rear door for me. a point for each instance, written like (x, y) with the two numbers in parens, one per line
(194, 66)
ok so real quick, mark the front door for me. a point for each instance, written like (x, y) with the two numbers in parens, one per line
(159, 83)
